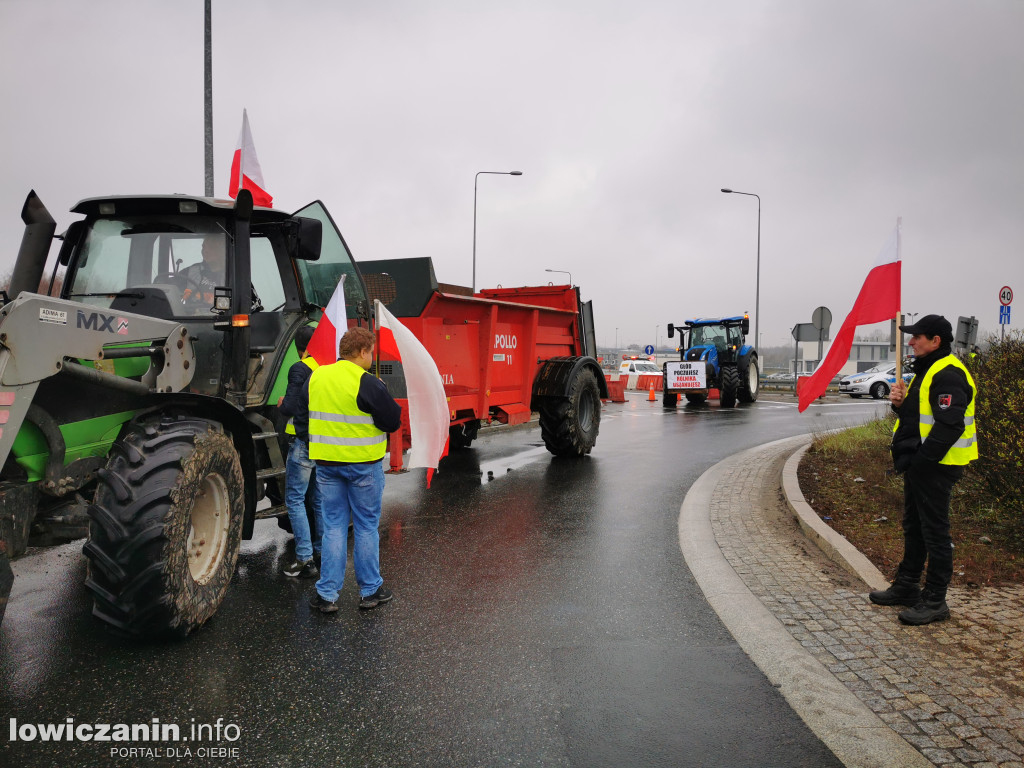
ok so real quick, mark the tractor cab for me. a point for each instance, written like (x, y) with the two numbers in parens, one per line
(242, 280)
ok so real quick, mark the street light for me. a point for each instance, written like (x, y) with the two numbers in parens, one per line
(757, 289)
(562, 272)
(475, 178)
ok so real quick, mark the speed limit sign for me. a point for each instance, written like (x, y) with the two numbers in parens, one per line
(1005, 295)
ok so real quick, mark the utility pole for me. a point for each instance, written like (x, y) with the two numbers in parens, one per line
(208, 98)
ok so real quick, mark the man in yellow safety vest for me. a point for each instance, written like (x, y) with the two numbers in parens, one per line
(350, 414)
(934, 439)
(299, 468)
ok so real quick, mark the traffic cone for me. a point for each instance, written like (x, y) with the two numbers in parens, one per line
(650, 395)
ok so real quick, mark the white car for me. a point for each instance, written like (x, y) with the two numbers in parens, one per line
(641, 366)
(875, 381)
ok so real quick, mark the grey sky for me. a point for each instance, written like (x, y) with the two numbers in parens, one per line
(625, 118)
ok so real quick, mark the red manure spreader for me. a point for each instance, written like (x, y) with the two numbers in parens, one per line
(502, 354)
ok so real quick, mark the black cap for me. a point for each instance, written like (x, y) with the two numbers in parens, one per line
(931, 326)
(302, 337)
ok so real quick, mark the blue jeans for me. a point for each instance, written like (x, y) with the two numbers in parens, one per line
(350, 492)
(298, 469)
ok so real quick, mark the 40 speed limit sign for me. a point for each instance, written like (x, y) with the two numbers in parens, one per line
(1005, 295)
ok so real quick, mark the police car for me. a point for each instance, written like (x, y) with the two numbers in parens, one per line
(875, 381)
(641, 365)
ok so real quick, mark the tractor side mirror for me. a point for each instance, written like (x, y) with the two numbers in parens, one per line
(308, 238)
(671, 330)
(71, 240)
(745, 325)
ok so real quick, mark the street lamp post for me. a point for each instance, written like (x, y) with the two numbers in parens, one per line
(562, 272)
(475, 178)
(757, 288)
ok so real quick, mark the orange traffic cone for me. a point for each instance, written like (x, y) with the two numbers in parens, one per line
(650, 395)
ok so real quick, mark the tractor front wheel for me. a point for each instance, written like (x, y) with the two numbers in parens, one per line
(569, 425)
(166, 526)
(669, 399)
(751, 381)
(730, 386)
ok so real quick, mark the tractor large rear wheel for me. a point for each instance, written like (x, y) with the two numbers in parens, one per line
(569, 425)
(730, 386)
(165, 528)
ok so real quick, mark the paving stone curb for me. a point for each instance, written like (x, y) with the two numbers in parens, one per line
(948, 694)
(835, 715)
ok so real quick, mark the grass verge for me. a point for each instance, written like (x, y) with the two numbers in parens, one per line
(845, 476)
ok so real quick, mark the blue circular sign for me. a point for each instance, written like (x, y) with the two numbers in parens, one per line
(649, 349)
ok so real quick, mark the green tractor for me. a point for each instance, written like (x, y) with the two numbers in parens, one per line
(138, 406)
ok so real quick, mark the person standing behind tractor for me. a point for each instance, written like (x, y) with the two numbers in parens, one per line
(350, 414)
(933, 440)
(299, 468)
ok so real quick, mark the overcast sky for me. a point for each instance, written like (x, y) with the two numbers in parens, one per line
(626, 119)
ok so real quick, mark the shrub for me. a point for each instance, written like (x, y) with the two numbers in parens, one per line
(999, 471)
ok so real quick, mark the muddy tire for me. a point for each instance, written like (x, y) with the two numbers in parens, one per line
(166, 526)
(730, 386)
(669, 399)
(6, 581)
(570, 425)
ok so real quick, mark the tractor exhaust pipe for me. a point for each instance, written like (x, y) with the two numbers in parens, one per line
(35, 247)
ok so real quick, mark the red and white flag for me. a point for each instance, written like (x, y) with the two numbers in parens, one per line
(428, 406)
(323, 344)
(878, 301)
(245, 169)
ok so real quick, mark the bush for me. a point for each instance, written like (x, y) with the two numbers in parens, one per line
(999, 471)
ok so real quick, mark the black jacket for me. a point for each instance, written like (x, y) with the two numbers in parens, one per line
(296, 405)
(949, 386)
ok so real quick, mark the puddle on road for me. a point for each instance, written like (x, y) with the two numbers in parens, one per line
(492, 470)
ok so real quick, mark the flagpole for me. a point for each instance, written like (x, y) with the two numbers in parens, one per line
(899, 312)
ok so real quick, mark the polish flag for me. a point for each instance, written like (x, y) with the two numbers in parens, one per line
(878, 301)
(428, 406)
(245, 169)
(323, 344)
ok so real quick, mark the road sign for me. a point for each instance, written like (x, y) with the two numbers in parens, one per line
(1006, 295)
(649, 349)
(821, 318)
(1004, 315)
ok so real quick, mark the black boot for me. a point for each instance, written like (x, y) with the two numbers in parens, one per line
(902, 592)
(931, 607)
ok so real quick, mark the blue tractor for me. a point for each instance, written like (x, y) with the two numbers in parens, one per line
(713, 356)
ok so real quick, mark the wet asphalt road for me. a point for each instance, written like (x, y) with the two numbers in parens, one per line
(542, 618)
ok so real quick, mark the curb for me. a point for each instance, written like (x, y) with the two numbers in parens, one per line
(847, 726)
(833, 544)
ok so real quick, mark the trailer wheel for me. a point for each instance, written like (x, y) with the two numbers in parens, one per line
(569, 425)
(696, 399)
(730, 386)
(669, 399)
(166, 526)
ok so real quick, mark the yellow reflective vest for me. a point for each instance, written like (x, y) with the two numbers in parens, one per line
(965, 449)
(289, 428)
(338, 429)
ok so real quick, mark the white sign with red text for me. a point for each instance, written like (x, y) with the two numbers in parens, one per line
(684, 375)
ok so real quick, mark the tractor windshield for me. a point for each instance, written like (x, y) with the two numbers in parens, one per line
(165, 267)
(708, 334)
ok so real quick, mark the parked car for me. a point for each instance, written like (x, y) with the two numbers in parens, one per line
(875, 381)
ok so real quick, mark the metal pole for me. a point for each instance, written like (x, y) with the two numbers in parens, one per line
(757, 283)
(208, 98)
(475, 179)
